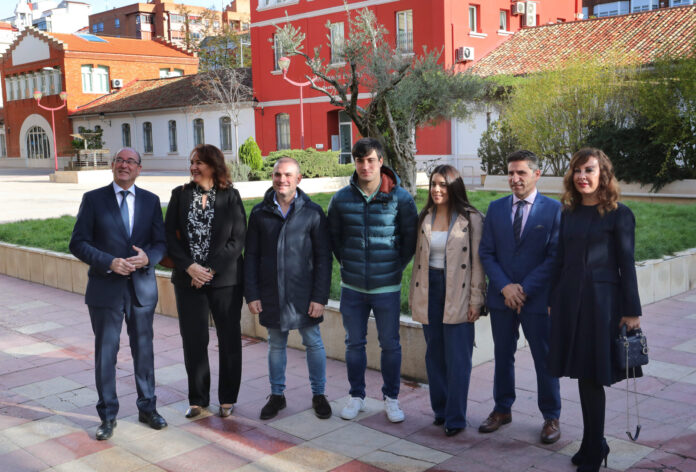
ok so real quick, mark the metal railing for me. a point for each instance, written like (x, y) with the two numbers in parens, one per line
(90, 158)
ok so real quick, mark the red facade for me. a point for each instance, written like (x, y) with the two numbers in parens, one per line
(450, 25)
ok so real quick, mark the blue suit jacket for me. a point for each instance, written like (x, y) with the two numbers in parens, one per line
(99, 236)
(530, 262)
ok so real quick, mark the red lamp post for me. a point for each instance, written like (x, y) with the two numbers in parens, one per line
(284, 64)
(63, 95)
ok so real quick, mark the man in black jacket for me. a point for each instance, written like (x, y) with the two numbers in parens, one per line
(287, 279)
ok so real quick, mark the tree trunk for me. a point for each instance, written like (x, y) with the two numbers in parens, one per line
(404, 164)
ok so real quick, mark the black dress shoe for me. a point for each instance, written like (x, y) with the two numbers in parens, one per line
(105, 430)
(153, 419)
(438, 421)
(452, 431)
(274, 404)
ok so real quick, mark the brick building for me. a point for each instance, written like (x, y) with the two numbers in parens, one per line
(85, 66)
(169, 20)
(463, 30)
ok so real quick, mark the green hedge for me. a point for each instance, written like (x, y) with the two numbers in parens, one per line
(313, 163)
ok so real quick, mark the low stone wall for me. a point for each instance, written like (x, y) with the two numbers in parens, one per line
(657, 279)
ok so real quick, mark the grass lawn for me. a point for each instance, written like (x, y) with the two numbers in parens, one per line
(661, 229)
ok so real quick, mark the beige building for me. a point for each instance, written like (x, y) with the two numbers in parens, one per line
(181, 24)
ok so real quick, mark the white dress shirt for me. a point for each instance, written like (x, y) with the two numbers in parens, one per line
(130, 201)
(525, 211)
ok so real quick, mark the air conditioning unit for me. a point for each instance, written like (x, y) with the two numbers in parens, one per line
(463, 54)
(530, 14)
(517, 8)
(116, 83)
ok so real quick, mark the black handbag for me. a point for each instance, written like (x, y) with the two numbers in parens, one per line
(631, 351)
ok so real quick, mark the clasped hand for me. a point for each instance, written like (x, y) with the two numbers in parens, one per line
(514, 297)
(199, 275)
(126, 266)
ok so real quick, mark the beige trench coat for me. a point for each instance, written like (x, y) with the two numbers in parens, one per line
(464, 285)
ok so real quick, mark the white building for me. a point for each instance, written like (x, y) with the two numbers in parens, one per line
(66, 16)
(624, 7)
(164, 119)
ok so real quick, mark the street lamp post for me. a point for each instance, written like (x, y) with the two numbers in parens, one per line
(63, 96)
(284, 64)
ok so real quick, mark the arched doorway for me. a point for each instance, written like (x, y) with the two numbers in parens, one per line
(38, 146)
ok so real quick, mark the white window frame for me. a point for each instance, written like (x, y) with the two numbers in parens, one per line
(225, 124)
(95, 79)
(126, 135)
(473, 18)
(198, 131)
(147, 137)
(282, 122)
(337, 42)
(277, 52)
(404, 31)
(503, 21)
(171, 126)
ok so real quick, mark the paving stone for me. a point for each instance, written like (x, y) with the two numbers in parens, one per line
(688, 346)
(164, 444)
(353, 440)
(35, 349)
(29, 305)
(415, 451)
(667, 370)
(45, 388)
(108, 460)
(170, 374)
(297, 459)
(307, 426)
(39, 327)
(35, 432)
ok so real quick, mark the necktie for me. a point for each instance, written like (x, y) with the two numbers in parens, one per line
(124, 211)
(517, 222)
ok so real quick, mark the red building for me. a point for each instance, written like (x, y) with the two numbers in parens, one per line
(84, 65)
(465, 30)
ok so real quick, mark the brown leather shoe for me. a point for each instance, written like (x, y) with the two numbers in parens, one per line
(494, 421)
(550, 432)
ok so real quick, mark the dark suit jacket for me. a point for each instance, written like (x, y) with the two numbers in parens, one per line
(226, 239)
(99, 237)
(529, 262)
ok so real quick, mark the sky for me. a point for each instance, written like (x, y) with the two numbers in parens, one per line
(7, 7)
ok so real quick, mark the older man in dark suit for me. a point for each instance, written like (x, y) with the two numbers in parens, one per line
(119, 233)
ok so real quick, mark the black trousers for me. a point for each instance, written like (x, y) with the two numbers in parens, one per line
(593, 404)
(194, 306)
(106, 325)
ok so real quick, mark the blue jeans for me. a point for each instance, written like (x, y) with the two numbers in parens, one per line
(277, 358)
(447, 357)
(386, 307)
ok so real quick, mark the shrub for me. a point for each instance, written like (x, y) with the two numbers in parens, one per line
(239, 171)
(250, 154)
(313, 163)
(496, 143)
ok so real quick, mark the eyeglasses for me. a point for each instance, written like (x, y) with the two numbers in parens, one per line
(130, 162)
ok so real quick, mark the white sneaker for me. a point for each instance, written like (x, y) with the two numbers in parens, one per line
(354, 406)
(391, 408)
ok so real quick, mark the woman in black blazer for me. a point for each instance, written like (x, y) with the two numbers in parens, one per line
(594, 294)
(206, 226)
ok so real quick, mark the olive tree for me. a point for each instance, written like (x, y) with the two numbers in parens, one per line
(406, 91)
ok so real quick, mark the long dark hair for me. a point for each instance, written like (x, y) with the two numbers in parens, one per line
(457, 199)
(215, 159)
(608, 189)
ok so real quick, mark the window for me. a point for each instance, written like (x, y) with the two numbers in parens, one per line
(273, 3)
(94, 28)
(337, 43)
(282, 131)
(95, 79)
(277, 52)
(176, 73)
(404, 31)
(676, 3)
(8, 89)
(503, 23)
(473, 18)
(172, 136)
(100, 26)
(117, 23)
(3, 146)
(147, 137)
(198, 132)
(37, 143)
(225, 133)
(611, 9)
(125, 135)
(164, 73)
(174, 18)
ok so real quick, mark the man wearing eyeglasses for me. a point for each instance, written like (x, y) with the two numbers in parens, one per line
(119, 234)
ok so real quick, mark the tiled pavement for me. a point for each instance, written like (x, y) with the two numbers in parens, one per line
(47, 415)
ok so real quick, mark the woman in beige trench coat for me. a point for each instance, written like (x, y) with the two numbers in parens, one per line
(447, 293)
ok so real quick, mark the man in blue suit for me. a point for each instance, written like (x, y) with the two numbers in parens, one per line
(517, 249)
(119, 233)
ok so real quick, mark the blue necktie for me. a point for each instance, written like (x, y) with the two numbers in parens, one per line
(517, 222)
(124, 211)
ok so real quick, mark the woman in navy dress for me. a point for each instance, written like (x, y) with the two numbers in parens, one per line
(594, 294)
